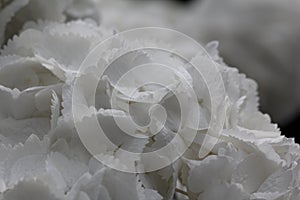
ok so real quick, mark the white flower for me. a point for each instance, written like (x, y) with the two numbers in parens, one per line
(252, 160)
(60, 169)
(16, 13)
(249, 173)
(42, 156)
(32, 171)
(39, 68)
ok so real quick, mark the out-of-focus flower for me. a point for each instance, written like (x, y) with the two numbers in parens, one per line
(128, 14)
(17, 12)
(261, 39)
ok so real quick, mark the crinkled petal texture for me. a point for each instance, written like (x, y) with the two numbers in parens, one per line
(40, 67)
(17, 13)
(30, 170)
(239, 174)
(42, 156)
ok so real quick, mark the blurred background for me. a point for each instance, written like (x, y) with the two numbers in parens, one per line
(259, 37)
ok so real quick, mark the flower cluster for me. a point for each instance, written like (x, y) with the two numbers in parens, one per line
(42, 156)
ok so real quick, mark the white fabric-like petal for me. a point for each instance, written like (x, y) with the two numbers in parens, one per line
(10, 155)
(16, 14)
(55, 110)
(27, 73)
(32, 189)
(45, 45)
(241, 174)
(17, 131)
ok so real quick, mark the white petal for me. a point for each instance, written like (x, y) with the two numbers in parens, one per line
(33, 190)
(55, 110)
(17, 131)
(208, 172)
(251, 172)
